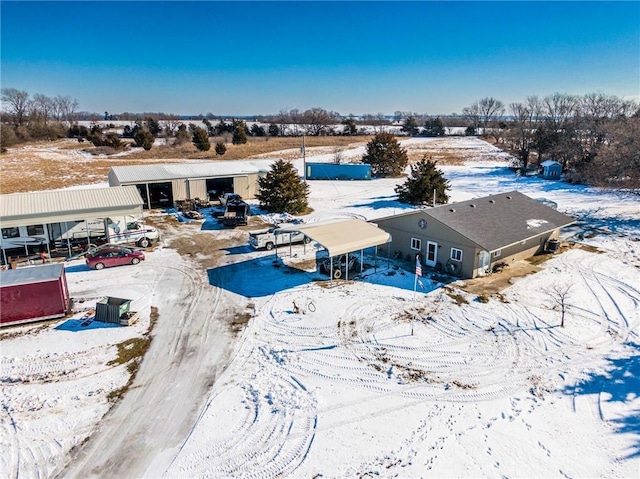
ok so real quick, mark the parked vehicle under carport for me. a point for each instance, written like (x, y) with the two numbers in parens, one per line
(336, 267)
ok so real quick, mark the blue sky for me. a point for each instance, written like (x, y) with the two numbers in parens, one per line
(351, 57)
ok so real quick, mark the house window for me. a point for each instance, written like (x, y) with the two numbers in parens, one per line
(497, 253)
(35, 230)
(10, 233)
(456, 254)
(416, 244)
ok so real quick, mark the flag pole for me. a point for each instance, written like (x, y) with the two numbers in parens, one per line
(415, 276)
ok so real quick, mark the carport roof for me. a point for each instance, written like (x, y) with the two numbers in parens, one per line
(340, 236)
(37, 207)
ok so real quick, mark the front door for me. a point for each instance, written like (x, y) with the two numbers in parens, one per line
(483, 263)
(432, 254)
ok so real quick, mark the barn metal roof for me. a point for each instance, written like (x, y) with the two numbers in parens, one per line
(31, 274)
(174, 171)
(340, 236)
(38, 207)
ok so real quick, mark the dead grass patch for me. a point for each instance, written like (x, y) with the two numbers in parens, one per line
(458, 298)
(64, 163)
(590, 249)
(131, 352)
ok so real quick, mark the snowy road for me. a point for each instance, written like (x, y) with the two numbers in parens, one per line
(190, 344)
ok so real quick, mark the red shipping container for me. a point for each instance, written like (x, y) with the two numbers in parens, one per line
(33, 293)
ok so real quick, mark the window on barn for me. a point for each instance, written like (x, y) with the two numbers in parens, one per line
(10, 233)
(497, 253)
(35, 230)
(456, 254)
(416, 244)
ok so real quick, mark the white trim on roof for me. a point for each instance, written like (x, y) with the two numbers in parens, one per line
(177, 171)
(341, 236)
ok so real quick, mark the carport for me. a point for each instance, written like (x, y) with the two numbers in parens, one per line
(341, 236)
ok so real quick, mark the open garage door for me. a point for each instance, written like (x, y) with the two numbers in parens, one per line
(218, 186)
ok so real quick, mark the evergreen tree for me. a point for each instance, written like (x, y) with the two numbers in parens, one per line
(410, 125)
(433, 127)
(221, 149)
(153, 126)
(182, 135)
(274, 130)
(257, 130)
(385, 155)
(282, 190)
(418, 189)
(211, 130)
(144, 138)
(239, 135)
(201, 139)
(350, 127)
(223, 127)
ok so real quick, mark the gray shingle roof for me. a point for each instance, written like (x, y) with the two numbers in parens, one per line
(496, 221)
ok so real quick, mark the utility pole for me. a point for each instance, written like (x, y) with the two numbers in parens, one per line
(304, 160)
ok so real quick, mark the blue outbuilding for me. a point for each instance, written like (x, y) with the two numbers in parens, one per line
(333, 171)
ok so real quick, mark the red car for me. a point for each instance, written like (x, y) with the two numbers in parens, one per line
(113, 256)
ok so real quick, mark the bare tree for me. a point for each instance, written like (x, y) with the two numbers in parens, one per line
(560, 295)
(317, 121)
(519, 136)
(17, 103)
(65, 108)
(489, 109)
(43, 107)
(559, 108)
(283, 120)
(296, 119)
(472, 113)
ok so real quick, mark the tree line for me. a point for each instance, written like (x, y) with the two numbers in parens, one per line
(595, 136)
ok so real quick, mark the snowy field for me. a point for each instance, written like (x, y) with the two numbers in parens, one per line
(368, 379)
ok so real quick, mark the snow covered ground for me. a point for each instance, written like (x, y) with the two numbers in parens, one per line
(367, 379)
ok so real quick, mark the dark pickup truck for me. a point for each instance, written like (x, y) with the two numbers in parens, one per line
(235, 213)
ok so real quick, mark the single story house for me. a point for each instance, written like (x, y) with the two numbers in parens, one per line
(468, 237)
(161, 185)
(551, 170)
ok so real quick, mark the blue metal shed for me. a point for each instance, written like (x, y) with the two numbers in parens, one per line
(332, 171)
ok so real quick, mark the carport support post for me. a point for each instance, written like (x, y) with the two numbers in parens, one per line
(388, 255)
(346, 267)
(331, 270)
(66, 227)
(148, 196)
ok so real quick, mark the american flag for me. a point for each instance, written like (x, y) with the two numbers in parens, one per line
(418, 266)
